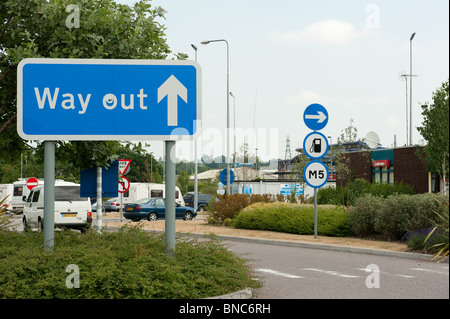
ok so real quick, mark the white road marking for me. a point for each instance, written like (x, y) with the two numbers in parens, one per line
(330, 272)
(430, 270)
(274, 272)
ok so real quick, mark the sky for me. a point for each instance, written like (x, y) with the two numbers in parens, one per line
(285, 55)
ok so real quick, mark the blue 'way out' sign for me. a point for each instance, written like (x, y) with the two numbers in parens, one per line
(90, 99)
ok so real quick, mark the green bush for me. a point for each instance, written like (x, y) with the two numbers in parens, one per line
(392, 218)
(349, 194)
(362, 216)
(294, 218)
(227, 207)
(129, 263)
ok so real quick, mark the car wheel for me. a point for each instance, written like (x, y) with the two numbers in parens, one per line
(40, 225)
(201, 209)
(188, 216)
(26, 227)
(152, 217)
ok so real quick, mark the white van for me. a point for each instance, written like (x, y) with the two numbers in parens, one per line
(71, 210)
(149, 190)
(20, 190)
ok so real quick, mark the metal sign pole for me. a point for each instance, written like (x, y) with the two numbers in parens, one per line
(315, 213)
(170, 198)
(49, 195)
(99, 199)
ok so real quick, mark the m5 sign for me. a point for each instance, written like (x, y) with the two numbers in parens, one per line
(315, 174)
(90, 99)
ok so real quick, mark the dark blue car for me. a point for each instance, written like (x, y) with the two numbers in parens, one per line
(154, 208)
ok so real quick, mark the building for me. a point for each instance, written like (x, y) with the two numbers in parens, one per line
(405, 165)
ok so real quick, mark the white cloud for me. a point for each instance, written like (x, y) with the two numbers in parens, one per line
(304, 97)
(331, 31)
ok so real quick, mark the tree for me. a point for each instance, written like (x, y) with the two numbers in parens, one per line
(183, 181)
(99, 29)
(435, 130)
(348, 137)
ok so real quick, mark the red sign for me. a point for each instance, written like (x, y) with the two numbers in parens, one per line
(381, 163)
(124, 184)
(32, 182)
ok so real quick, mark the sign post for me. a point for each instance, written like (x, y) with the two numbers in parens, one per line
(124, 183)
(315, 146)
(53, 94)
(49, 195)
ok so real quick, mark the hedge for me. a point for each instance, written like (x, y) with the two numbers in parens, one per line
(392, 218)
(294, 218)
(130, 263)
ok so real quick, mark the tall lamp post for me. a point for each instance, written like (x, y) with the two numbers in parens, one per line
(410, 87)
(195, 156)
(234, 130)
(228, 109)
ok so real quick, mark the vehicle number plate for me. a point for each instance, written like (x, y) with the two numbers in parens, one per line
(130, 208)
(69, 214)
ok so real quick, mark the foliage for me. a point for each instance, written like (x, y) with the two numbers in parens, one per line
(392, 218)
(358, 188)
(129, 263)
(183, 182)
(144, 167)
(435, 130)
(294, 218)
(229, 206)
(38, 28)
(442, 226)
(5, 222)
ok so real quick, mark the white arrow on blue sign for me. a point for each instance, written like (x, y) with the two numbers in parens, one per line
(90, 99)
(315, 117)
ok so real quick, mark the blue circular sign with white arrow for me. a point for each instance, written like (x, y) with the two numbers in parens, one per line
(315, 117)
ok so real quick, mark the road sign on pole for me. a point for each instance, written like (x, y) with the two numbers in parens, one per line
(124, 185)
(315, 145)
(124, 166)
(315, 174)
(315, 117)
(158, 99)
(223, 176)
(32, 183)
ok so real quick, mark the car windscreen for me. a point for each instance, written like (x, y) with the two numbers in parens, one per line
(68, 193)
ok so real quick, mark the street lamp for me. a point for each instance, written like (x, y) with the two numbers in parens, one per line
(228, 109)
(410, 87)
(234, 129)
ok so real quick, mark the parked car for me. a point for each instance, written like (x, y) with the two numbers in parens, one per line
(203, 200)
(71, 210)
(111, 205)
(154, 208)
(94, 205)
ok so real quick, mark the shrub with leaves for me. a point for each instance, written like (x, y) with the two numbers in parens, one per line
(130, 263)
(294, 218)
(227, 207)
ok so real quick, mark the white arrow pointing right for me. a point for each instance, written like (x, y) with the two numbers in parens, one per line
(172, 88)
(320, 117)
